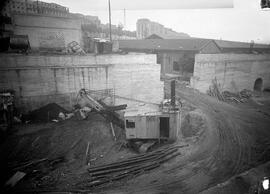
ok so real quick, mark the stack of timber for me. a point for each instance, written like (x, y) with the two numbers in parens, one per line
(130, 167)
(237, 97)
(215, 91)
(227, 96)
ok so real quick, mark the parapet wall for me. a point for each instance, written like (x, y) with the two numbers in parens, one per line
(41, 79)
(234, 72)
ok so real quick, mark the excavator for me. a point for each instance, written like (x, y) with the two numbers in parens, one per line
(108, 112)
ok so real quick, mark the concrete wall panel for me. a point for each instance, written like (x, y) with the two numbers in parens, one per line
(234, 72)
(39, 80)
(48, 32)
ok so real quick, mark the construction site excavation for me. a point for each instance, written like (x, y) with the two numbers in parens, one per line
(88, 107)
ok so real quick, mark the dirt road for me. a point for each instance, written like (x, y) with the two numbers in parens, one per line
(236, 139)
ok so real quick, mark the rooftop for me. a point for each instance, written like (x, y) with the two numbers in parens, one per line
(189, 44)
(164, 44)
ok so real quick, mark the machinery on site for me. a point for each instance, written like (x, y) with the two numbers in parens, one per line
(157, 124)
(143, 127)
(7, 107)
(105, 110)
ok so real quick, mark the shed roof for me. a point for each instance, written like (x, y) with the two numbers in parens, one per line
(233, 44)
(189, 44)
(178, 35)
(164, 44)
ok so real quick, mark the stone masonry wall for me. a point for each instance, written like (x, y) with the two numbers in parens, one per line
(234, 72)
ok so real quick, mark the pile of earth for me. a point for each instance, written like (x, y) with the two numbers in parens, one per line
(68, 140)
(44, 114)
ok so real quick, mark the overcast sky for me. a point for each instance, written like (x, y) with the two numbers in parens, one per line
(241, 20)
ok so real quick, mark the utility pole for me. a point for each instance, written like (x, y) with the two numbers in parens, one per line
(110, 24)
(124, 18)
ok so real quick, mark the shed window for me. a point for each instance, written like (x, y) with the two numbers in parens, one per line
(130, 124)
(176, 66)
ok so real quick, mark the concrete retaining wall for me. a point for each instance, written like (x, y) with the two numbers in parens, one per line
(39, 80)
(47, 32)
(234, 72)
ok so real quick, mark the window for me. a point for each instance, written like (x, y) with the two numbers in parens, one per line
(159, 58)
(169, 60)
(130, 124)
(176, 66)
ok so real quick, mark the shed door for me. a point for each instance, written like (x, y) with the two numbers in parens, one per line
(164, 126)
(130, 126)
(152, 127)
(141, 127)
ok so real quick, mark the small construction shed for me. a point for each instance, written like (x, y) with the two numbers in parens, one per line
(153, 125)
(102, 46)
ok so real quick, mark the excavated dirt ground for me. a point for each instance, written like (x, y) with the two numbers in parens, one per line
(224, 141)
(66, 140)
(233, 138)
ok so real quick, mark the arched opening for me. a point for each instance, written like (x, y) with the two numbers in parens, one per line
(258, 84)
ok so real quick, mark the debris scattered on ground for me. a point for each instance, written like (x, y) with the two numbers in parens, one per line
(113, 133)
(27, 164)
(62, 116)
(87, 153)
(227, 96)
(129, 167)
(15, 178)
(74, 47)
(82, 113)
(48, 155)
(237, 97)
(146, 146)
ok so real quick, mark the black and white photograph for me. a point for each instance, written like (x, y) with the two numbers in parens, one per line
(134, 97)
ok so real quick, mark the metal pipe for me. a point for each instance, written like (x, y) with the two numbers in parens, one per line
(173, 93)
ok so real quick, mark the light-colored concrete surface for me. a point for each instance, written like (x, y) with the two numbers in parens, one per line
(234, 72)
(47, 32)
(41, 79)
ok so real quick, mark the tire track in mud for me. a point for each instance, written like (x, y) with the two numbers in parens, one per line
(228, 152)
(232, 149)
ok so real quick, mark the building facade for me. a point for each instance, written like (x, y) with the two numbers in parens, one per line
(176, 56)
(145, 28)
(87, 19)
(34, 7)
(235, 65)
